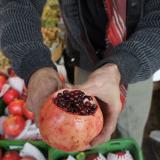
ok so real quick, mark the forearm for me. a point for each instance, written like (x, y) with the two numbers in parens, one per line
(138, 58)
(21, 38)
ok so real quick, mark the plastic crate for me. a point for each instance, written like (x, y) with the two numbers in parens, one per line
(109, 147)
(18, 145)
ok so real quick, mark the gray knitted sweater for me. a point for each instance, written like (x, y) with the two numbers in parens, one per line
(21, 41)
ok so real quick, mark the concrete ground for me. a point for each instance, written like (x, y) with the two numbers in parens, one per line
(151, 148)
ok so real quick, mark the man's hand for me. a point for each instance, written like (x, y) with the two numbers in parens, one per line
(104, 84)
(41, 84)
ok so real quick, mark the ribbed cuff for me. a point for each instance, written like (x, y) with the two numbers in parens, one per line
(35, 60)
(128, 65)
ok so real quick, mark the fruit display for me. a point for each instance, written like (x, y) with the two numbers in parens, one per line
(13, 126)
(16, 107)
(26, 152)
(10, 95)
(116, 149)
(3, 80)
(53, 38)
(53, 29)
(72, 118)
(51, 14)
(50, 35)
(4, 62)
(11, 155)
(125, 155)
(120, 156)
(50, 20)
(16, 121)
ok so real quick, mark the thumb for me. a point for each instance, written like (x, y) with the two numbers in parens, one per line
(68, 85)
(31, 111)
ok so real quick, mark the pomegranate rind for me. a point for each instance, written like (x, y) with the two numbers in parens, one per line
(67, 131)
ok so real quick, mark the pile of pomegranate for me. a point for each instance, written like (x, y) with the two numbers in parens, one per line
(121, 155)
(14, 155)
(15, 119)
(70, 120)
(28, 152)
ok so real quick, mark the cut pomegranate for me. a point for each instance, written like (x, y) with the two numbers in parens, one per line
(70, 120)
(75, 102)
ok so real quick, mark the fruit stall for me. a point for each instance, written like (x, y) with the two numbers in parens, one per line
(21, 139)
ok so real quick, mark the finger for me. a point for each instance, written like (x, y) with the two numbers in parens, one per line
(105, 135)
(84, 85)
(103, 93)
(89, 89)
(31, 107)
(110, 122)
(68, 85)
(37, 96)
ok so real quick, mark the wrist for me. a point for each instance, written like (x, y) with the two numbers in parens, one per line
(44, 71)
(44, 74)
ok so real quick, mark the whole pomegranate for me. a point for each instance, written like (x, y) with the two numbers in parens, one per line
(3, 80)
(10, 95)
(11, 155)
(70, 120)
(13, 125)
(16, 107)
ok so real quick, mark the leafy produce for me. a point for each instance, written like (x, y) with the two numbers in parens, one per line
(70, 120)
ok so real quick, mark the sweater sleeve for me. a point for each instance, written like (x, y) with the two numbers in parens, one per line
(139, 57)
(39, 5)
(21, 38)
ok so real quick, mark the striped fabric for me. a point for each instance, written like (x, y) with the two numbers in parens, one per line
(138, 57)
(116, 29)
